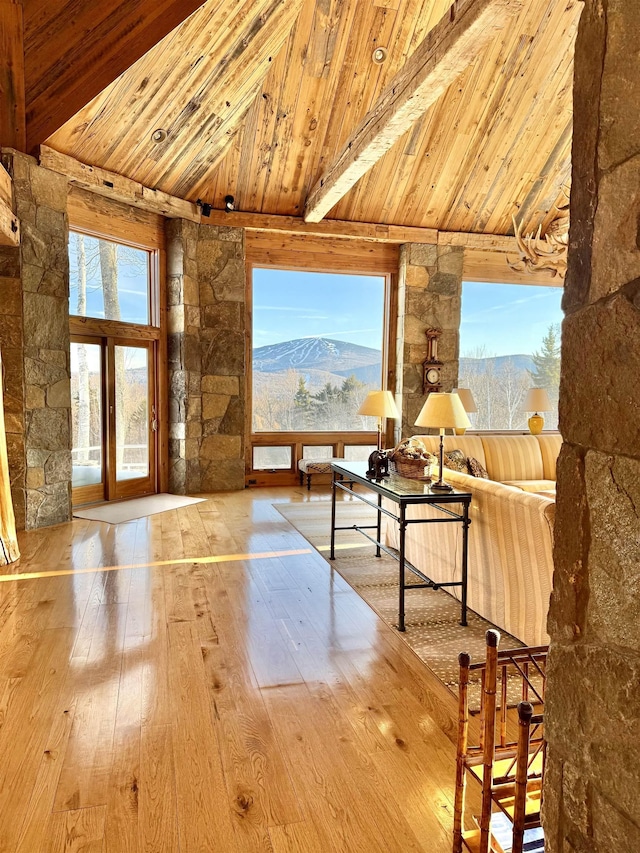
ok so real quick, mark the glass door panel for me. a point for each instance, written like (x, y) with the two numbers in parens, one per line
(113, 418)
(132, 412)
(132, 408)
(87, 421)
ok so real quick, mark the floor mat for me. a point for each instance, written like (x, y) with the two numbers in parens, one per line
(121, 511)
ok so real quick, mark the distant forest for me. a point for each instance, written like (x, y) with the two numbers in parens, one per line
(325, 391)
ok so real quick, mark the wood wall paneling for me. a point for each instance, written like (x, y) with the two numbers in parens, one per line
(456, 40)
(12, 85)
(216, 61)
(496, 143)
(320, 254)
(74, 50)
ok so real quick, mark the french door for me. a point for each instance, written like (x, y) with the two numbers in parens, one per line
(113, 404)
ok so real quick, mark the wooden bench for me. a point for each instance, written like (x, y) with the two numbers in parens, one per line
(308, 467)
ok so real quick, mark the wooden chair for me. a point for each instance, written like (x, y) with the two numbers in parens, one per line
(507, 761)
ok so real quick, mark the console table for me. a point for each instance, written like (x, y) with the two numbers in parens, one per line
(404, 493)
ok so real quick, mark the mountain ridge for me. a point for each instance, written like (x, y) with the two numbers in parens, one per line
(315, 353)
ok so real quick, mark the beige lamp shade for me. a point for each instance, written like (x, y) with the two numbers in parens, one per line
(379, 404)
(443, 411)
(466, 398)
(537, 400)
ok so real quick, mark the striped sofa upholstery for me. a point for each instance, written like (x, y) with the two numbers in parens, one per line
(510, 538)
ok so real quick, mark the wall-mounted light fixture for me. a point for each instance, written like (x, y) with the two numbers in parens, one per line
(205, 209)
(229, 203)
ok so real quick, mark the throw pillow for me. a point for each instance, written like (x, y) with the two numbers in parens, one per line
(456, 461)
(476, 469)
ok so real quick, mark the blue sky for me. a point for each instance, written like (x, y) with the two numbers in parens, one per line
(504, 318)
(290, 304)
(507, 319)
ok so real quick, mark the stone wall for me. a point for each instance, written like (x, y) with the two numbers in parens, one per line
(35, 346)
(593, 719)
(206, 326)
(429, 296)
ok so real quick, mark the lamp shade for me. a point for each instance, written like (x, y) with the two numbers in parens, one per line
(443, 411)
(466, 398)
(537, 400)
(379, 404)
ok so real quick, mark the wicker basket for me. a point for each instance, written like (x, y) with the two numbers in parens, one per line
(414, 469)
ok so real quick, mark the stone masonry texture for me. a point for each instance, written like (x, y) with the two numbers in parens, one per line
(206, 344)
(429, 296)
(34, 282)
(592, 715)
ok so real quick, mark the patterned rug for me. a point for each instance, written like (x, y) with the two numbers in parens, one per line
(432, 616)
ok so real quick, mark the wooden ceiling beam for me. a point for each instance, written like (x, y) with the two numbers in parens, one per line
(454, 42)
(117, 187)
(74, 50)
(9, 225)
(12, 97)
(131, 192)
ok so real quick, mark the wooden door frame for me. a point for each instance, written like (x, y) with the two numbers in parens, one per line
(139, 486)
(95, 493)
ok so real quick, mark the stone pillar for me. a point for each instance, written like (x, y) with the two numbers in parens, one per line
(207, 293)
(183, 346)
(593, 719)
(36, 347)
(429, 296)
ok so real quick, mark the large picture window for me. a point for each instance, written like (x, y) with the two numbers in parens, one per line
(317, 349)
(509, 342)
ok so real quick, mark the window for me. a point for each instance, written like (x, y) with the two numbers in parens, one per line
(509, 342)
(317, 349)
(108, 280)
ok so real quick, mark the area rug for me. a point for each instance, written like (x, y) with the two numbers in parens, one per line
(431, 616)
(121, 511)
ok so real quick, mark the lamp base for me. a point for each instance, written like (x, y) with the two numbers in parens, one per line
(440, 486)
(536, 424)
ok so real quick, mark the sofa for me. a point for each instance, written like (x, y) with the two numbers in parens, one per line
(510, 566)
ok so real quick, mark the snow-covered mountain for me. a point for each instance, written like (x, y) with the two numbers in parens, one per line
(315, 354)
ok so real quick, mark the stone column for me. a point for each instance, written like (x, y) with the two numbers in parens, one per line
(183, 346)
(592, 714)
(37, 347)
(207, 293)
(429, 296)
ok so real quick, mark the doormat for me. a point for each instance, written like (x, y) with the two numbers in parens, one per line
(121, 511)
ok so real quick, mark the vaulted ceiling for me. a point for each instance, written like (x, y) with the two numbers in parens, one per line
(257, 99)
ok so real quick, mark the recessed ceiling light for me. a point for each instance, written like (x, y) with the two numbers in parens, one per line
(379, 55)
(159, 135)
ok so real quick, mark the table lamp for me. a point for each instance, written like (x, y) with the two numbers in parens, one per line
(537, 400)
(443, 411)
(466, 398)
(379, 404)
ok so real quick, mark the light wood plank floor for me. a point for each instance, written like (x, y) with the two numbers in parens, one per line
(200, 680)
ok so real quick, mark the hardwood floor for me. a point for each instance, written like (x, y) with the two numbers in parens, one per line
(200, 680)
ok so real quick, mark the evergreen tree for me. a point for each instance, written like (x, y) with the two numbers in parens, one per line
(547, 362)
(302, 399)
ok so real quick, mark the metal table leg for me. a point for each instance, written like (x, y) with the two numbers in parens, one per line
(332, 554)
(401, 584)
(465, 550)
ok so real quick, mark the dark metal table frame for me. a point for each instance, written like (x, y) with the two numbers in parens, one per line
(407, 493)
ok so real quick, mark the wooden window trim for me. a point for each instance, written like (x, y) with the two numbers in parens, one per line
(106, 219)
(320, 255)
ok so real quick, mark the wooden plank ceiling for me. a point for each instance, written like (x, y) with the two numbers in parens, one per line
(258, 97)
